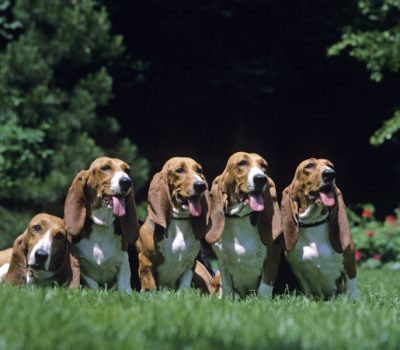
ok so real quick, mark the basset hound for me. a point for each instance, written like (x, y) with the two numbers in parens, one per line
(319, 247)
(169, 239)
(100, 215)
(41, 255)
(246, 226)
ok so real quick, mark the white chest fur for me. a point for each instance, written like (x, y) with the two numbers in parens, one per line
(241, 255)
(314, 262)
(179, 250)
(100, 255)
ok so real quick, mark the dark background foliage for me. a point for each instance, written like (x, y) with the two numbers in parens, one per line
(214, 77)
(148, 80)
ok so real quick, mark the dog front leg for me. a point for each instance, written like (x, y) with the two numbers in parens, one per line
(124, 275)
(89, 282)
(186, 279)
(226, 283)
(270, 268)
(351, 272)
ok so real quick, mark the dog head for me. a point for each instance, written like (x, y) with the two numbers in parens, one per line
(106, 184)
(245, 185)
(314, 184)
(42, 249)
(180, 190)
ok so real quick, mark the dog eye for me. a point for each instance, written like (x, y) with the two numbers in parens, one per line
(180, 170)
(199, 170)
(127, 171)
(309, 166)
(105, 167)
(36, 228)
(242, 163)
(59, 236)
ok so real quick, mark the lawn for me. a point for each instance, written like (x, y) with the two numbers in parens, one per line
(64, 319)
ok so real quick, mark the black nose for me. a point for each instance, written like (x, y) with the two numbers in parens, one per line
(41, 256)
(259, 180)
(328, 175)
(199, 186)
(125, 183)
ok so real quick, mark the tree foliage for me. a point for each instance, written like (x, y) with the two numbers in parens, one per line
(55, 83)
(375, 41)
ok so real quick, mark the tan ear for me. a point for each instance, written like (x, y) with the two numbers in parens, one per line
(18, 265)
(290, 227)
(75, 204)
(339, 229)
(159, 200)
(128, 222)
(64, 276)
(269, 220)
(217, 215)
(200, 223)
(75, 268)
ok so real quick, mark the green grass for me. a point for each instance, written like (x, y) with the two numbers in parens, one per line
(65, 319)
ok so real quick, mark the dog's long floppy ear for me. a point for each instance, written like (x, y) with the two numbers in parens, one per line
(75, 204)
(339, 229)
(18, 265)
(269, 220)
(217, 205)
(289, 211)
(129, 223)
(200, 223)
(75, 268)
(159, 200)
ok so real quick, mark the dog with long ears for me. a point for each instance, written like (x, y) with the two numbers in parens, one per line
(41, 256)
(318, 243)
(170, 238)
(100, 215)
(246, 226)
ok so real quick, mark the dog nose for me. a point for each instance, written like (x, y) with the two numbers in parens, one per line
(328, 175)
(40, 256)
(125, 183)
(199, 186)
(259, 180)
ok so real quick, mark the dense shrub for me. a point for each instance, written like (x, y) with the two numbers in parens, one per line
(377, 242)
(55, 85)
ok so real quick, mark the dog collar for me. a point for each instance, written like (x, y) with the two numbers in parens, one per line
(313, 224)
(180, 215)
(239, 210)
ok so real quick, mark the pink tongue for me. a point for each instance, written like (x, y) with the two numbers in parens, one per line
(118, 206)
(256, 201)
(194, 208)
(327, 199)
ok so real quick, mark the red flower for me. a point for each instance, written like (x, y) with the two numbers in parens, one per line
(367, 213)
(358, 255)
(391, 219)
(370, 234)
(376, 257)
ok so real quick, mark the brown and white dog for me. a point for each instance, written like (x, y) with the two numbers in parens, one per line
(319, 247)
(41, 255)
(245, 225)
(100, 215)
(169, 239)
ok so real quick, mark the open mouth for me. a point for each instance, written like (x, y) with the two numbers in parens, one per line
(193, 203)
(325, 195)
(117, 203)
(254, 199)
